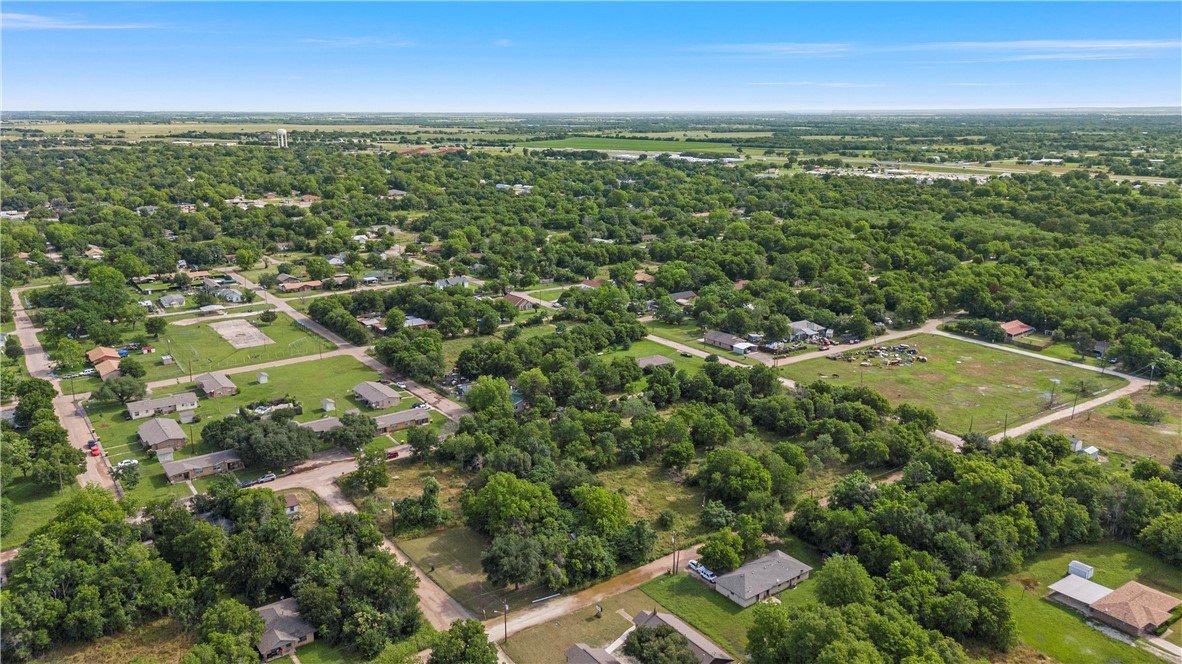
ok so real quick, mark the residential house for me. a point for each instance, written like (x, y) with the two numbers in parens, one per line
(452, 282)
(1100, 349)
(232, 295)
(162, 432)
(374, 324)
(172, 301)
(138, 410)
(642, 278)
(102, 354)
(1134, 608)
(653, 361)
(761, 578)
(285, 278)
(590, 284)
(299, 286)
(705, 650)
(806, 329)
(216, 385)
(197, 274)
(283, 629)
(395, 193)
(684, 298)
(210, 285)
(291, 504)
(375, 395)
(322, 425)
(581, 653)
(108, 369)
(741, 284)
(182, 470)
(416, 323)
(728, 342)
(211, 309)
(1015, 329)
(1077, 592)
(94, 252)
(405, 419)
(519, 302)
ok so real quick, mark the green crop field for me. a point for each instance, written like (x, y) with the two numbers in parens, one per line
(1063, 633)
(964, 383)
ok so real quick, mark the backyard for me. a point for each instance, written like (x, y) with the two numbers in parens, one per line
(1063, 633)
(547, 642)
(35, 505)
(162, 641)
(971, 387)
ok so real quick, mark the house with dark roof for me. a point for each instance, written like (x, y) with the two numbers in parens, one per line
(191, 468)
(452, 282)
(581, 653)
(216, 385)
(805, 329)
(404, 419)
(138, 410)
(322, 425)
(705, 650)
(684, 298)
(283, 629)
(649, 361)
(728, 342)
(162, 432)
(761, 578)
(375, 395)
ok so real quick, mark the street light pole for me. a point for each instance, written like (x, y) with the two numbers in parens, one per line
(506, 622)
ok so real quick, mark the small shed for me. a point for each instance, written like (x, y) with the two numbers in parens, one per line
(263, 378)
(328, 405)
(1080, 569)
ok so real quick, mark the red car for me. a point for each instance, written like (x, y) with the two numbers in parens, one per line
(96, 451)
(391, 454)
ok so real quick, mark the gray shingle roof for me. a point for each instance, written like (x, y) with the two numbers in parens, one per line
(156, 431)
(703, 648)
(212, 381)
(762, 574)
(163, 402)
(412, 415)
(322, 425)
(581, 653)
(282, 624)
(371, 391)
(195, 463)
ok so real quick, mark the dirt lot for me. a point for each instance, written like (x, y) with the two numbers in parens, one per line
(1112, 429)
(241, 334)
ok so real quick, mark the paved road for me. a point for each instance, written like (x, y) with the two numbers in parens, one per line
(696, 352)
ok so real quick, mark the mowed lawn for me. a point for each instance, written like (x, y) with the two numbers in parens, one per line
(966, 384)
(1114, 430)
(307, 382)
(202, 349)
(1064, 633)
(452, 559)
(547, 642)
(725, 622)
(644, 348)
(35, 506)
(691, 335)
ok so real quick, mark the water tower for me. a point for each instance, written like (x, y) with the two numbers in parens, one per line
(281, 135)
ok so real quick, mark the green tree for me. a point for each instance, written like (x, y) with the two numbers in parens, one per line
(318, 268)
(123, 389)
(508, 503)
(635, 543)
(842, 580)
(512, 560)
(465, 642)
(129, 366)
(658, 645)
(356, 431)
(155, 325)
(722, 552)
(604, 511)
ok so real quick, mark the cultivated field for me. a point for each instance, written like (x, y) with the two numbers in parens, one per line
(969, 386)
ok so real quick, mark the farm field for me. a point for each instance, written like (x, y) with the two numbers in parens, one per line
(308, 382)
(1114, 430)
(547, 642)
(163, 641)
(690, 336)
(1063, 633)
(639, 145)
(452, 559)
(725, 622)
(35, 506)
(966, 384)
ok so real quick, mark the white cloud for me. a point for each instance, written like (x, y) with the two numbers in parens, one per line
(357, 42)
(821, 84)
(776, 48)
(1062, 45)
(38, 22)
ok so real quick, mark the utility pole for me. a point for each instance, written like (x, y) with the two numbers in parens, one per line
(1054, 384)
(673, 541)
(1073, 402)
(1005, 428)
(506, 622)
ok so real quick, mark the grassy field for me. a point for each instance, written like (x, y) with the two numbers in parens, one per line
(35, 506)
(547, 642)
(649, 490)
(690, 335)
(725, 622)
(645, 348)
(453, 347)
(406, 479)
(320, 652)
(1113, 430)
(308, 382)
(143, 130)
(631, 144)
(1066, 352)
(452, 559)
(161, 641)
(963, 382)
(1063, 633)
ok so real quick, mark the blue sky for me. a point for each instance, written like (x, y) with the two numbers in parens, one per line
(568, 57)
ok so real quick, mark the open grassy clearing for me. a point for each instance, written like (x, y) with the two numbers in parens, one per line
(35, 506)
(1066, 352)
(456, 345)
(321, 652)
(1112, 429)
(406, 479)
(162, 641)
(547, 642)
(1063, 633)
(644, 348)
(649, 490)
(966, 384)
(625, 144)
(725, 622)
(690, 335)
(308, 382)
(452, 559)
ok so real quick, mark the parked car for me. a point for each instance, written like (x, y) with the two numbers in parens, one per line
(127, 462)
(391, 454)
(245, 484)
(695, 565)
(707, 575)
(96, 451)
(91, 443)
(269, 477)
(401, 386)
(686, 354)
